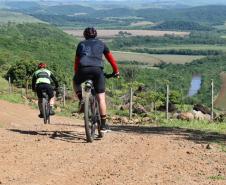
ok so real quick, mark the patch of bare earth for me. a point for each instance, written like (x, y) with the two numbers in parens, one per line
(141, 23)
(220, 102)
(32, 153)
(113, 33)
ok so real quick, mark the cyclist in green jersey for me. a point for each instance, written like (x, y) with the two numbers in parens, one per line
(41, 82)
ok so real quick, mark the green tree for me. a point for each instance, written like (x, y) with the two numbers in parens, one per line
(175, 97)
(21, 72)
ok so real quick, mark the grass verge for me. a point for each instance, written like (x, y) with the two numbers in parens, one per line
(197, 125)
(12, 98)
(217, 177)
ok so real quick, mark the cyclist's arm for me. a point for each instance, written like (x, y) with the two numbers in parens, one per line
(54, 80)
(77, 57)
(108, 55)
(33, 82)
(77, 61)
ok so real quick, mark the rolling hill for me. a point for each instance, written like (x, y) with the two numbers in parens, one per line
(67, 15)
(37, 42)
(16, 17)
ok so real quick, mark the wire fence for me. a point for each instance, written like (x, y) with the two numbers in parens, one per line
(67, 95)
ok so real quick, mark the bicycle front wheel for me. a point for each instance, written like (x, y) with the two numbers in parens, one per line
(89, 117)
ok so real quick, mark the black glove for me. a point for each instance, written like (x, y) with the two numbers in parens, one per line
(115, 75)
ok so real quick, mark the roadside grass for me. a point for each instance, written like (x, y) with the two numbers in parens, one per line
(12, 98)
(196, 125)
(4, 94)
(217, 177)
(223, 147)
(16, 96)
(68, 109)
(118, 112)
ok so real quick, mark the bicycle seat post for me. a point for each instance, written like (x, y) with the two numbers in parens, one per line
(45, 95)
(88, 85)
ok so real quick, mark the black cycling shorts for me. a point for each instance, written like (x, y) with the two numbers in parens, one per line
(44, 87)
(95, 74)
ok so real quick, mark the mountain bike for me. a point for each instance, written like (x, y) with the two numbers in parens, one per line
(45, 108)
(91, 111)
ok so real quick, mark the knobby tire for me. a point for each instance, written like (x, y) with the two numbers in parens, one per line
(89, 111)
(46, 111)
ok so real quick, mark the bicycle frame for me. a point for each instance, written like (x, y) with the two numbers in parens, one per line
(91, 114)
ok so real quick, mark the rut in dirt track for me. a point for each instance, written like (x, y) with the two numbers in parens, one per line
(32, 153)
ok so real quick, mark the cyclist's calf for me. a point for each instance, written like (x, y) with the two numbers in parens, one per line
(102, 103)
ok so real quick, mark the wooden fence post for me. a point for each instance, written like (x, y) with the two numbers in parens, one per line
(10, 87)
(26, 89)
(212, 94)
(131, 104)
(167, 102)
(64, 95)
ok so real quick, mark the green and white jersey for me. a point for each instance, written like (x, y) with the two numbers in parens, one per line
(43, 76)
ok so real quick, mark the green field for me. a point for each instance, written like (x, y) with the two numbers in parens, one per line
(154, 58)
(221, 27)
(187, 46)
(6, 16)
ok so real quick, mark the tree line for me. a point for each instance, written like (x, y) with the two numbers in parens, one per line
(196, 37)
(179, 51)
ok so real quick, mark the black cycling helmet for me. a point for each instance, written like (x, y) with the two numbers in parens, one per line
(90, 32)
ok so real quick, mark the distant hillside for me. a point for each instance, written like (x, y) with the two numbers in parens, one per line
(22, 5)
(212, 15)
(68, 10)
(37, 42)
(34, 8)
(209, 14)
(8, 16)
(73, 15)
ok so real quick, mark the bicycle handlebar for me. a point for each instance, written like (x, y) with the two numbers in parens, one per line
(112, 75)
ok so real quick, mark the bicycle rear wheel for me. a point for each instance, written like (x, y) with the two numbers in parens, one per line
(89, 117)
(45, 110)
(48, 112)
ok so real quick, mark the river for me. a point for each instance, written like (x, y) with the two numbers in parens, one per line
(195, 85)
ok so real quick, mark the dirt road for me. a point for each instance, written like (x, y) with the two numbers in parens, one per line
(32, 153)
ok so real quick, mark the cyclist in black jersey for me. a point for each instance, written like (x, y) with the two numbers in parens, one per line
(89, 65)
